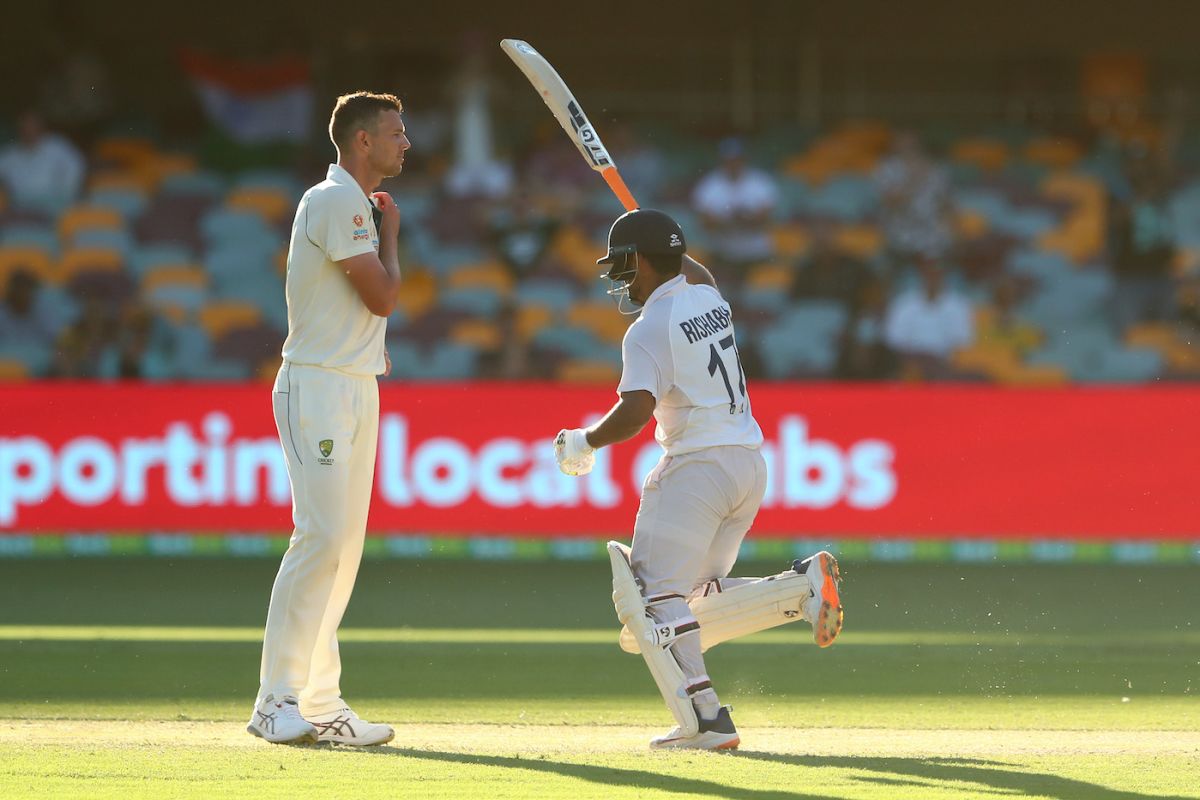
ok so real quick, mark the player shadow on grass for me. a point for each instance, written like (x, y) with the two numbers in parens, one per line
(605, 776)
(925, 771)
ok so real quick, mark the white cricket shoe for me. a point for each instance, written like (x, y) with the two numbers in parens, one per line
(279, 722)
(715, 734)
(345, 727)
(824, 609)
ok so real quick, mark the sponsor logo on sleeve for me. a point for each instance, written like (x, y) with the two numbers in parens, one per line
(361, 234)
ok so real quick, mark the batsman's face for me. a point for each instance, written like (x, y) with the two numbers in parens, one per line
(388, 144)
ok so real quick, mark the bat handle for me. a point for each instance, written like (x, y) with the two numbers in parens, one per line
(613, 179)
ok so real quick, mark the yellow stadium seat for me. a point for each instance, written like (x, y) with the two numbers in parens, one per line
(166, 164)
(418, 293)
(118, 179)
(1028, 375)
(989, 155)
(1184, 356)
(185, 275)
(80, 217)
(32, 259)
(489, 274)
(220, 318)
(602, 319)
(1055, 153)
(791, 241)
(863, 241)
(12, 369)
(268, 369)
(588, 372)
(478, 333)
(271, 204)
(970, 224)
(770, 276)
(573, 248)
(531, 319)
(1156, 335)
(88, 259)
(125, 150)
(992, 360)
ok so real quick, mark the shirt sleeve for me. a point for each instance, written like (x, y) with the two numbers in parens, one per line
(640, 370)
(337, 224)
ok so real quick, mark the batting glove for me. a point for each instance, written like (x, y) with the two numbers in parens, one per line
(573, 453)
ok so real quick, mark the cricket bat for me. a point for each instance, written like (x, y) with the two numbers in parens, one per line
(569, 113)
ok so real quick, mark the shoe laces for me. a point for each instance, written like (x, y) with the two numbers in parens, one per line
(289, 707)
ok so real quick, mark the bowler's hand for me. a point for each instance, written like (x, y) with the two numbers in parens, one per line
(387, 364)
(390, 223)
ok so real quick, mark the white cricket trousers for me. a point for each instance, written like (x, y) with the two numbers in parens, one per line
(328, 424)
(696, 509)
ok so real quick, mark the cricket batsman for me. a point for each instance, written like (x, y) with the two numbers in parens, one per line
(670, 590)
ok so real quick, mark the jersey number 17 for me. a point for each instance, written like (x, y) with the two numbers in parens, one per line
(716, 362)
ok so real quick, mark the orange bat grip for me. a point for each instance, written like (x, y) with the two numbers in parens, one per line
(613, 179)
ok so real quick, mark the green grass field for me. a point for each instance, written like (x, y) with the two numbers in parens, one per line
(123, 678)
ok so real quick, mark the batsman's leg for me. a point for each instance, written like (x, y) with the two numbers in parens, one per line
(654, 641)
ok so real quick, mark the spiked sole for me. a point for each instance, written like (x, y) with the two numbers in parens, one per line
(828, 623)
(307, 738)
(692, 744)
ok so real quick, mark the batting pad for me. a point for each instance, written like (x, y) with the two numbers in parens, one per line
(726, 614)
(654, 646)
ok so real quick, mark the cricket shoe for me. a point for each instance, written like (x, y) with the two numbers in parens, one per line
(343, 726)
(824, 609)
(279, 722)
(715, 734)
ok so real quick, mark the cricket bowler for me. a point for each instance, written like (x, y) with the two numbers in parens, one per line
(670, 590)
(343, 277)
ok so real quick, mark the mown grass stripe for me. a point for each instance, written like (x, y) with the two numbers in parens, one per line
(798, 636)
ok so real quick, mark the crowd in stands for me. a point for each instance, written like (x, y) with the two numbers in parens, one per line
(857, 254)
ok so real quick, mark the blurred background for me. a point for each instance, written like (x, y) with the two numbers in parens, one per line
(1029, 171)
(999, 195)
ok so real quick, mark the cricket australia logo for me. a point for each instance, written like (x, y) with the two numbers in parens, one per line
(326, 448)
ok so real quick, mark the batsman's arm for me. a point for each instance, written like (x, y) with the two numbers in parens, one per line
(624, 420)
(695, 272)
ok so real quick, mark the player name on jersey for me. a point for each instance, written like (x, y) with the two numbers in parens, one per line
(711, 322)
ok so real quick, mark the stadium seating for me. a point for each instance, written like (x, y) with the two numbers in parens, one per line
(205, 251)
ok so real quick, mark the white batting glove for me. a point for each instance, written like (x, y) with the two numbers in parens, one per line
(573, 453)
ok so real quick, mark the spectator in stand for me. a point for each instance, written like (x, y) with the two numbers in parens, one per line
(735, 203)
(915, 194)
(926, 324)
(864, 354)
(42, 170)
(26, 317)
(1003, 326)
(475, 171)
(1143, 249)
(521, 234)
(826, 273)
(87, 347)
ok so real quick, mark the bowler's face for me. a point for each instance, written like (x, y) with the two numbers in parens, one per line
(389, 143)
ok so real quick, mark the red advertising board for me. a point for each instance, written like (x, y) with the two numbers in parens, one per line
(886, 461)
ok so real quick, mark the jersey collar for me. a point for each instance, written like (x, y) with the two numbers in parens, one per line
(663, 290)
(338, 174)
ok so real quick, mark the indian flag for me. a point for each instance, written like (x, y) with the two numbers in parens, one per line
(254, 101)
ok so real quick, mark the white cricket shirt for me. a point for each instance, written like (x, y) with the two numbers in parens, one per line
(682, 350)
(328, 323)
